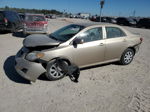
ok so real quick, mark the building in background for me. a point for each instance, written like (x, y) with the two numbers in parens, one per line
(84, 15)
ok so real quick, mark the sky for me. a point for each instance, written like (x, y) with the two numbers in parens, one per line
(111, 7)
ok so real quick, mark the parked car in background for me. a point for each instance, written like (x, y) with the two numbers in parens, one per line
(50, 16)
(84, 15)
(83, 45)
(111, 20)
(10, 21)
(93, 18)
(47, 16)
(35, 23)
(126, 21)
(136, 19)
(103, 19)
(145, 22)
(108, 20)
(22, 16)
(75, 16)
(97, 19)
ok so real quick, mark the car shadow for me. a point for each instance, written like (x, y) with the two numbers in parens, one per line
(4, 32)
(100, 65)
(18, 34)
(11, 72)
(44, 78)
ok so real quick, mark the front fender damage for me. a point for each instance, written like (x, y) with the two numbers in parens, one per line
(71, 70)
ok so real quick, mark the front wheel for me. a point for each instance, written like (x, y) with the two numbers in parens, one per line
(127, 57)
(54, 72)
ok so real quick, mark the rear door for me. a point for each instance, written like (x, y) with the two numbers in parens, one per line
(115, 43)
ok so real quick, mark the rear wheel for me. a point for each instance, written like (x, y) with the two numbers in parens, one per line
(127, 57)
(13, 30)
(54, 72)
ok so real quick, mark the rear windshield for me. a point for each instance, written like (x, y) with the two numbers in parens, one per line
(12, 15)
(35, 18)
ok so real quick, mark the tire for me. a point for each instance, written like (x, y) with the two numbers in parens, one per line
(53, 72)
(127, 57)
(24, 34)
(13, 30)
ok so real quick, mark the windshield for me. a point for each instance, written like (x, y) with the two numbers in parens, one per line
(35, 18)
(66, 33)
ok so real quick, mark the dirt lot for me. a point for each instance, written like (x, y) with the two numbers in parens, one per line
(107, 88)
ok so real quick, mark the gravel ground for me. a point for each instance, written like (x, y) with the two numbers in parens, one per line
(107, 88)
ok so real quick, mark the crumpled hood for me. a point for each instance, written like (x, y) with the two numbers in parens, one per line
(39, 40)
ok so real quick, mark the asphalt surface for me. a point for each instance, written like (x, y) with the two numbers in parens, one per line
(105, 88)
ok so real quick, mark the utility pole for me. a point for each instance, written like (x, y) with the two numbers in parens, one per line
(102, 2)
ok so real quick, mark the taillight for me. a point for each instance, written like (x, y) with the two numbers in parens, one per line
(45, 24)
(141, 39)
(6, 21)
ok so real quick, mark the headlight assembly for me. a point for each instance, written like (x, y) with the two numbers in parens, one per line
(35, 55)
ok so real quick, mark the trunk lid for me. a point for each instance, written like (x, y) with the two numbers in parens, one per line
(35, 24)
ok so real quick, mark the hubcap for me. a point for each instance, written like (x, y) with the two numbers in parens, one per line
(128, 57)
(55, 71)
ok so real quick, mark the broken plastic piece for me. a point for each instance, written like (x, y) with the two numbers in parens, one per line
(72, 71)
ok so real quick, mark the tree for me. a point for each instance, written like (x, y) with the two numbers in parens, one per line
(23, 10)
(6, 8)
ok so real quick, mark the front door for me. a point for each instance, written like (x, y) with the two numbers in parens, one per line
(92, 50)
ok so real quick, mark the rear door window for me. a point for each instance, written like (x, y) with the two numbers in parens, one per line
(35, 18)
(114, 32)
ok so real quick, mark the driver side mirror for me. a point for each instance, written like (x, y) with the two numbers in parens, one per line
(78, 41)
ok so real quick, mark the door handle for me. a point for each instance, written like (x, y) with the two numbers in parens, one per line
(101, 44)
(124, 40)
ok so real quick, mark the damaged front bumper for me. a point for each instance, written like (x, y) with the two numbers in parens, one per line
(29, 70)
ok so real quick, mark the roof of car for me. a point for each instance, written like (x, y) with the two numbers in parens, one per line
(34, 14)
(88, 24)
(7, 11)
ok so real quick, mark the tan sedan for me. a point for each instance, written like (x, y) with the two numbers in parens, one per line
(83, 45)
